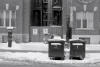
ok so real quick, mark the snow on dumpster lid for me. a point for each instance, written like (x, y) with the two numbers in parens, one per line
(73, 39)
(77, 44)
(80, 40)
(56, 40)
(55, 43)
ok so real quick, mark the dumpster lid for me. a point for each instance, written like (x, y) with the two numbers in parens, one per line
(56, 40)
(76, 40)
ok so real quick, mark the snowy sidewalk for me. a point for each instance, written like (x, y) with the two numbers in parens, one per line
(28, 47)
(39, 47)
(31, 57)
(33, 52)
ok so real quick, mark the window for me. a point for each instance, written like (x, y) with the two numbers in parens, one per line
(36, 18)
(10, 18)
(45, 1)
(57, 18)
(37, 3)
(84, 23)
(57, 2)
(13, 20)
(39, 17)
(84, 20)
(1, 19)
(78, 23)
(7, 18)
(42, 17)
(89, 16)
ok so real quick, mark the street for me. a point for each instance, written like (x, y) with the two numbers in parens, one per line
(37, 64)
(14, 64)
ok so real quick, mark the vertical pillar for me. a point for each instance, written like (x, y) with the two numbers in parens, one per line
(71, 16)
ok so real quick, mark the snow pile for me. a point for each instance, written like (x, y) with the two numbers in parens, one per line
(93, 47)
(43, 58)
(14, 46)
(35, 46)
(23, 56)
(56, 37)
(40, 46)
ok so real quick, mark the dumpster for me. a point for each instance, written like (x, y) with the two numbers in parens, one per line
(56, 49)
(77, 49)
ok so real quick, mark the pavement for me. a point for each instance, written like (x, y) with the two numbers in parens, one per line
(7, 54)
(33, 51)
(40, 47)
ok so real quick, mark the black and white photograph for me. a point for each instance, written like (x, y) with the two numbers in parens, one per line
(49, 33)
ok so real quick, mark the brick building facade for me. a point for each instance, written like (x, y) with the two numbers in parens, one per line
(85, 20)
(32, 19)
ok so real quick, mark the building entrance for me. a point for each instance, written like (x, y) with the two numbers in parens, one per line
(44, 20)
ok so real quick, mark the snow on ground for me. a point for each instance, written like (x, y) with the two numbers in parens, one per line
(93, 47)
(40, 46)
(43, 58)
(35, 46)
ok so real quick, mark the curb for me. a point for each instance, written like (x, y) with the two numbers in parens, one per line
(45, 51)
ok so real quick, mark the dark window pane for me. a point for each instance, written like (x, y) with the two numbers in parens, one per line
(7, 18)
(45, 16)
(45, 23)
(1, 19)
(57, 18)
(36, 18)
(57, 2)
(45, 5)
(84, 23)
(45, 13)
(78, 23)
(37, 3)
(13, 20)
(1, 22)
(45, 0)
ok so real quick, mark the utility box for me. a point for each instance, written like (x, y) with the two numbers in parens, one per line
(56, 48)
(77, 49)
(9, 38)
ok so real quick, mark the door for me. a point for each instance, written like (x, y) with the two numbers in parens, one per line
(41, 23)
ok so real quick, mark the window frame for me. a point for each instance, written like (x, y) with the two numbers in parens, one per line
(4, 19)
(84, 17)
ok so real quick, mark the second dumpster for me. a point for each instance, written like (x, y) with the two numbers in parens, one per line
(77, 49)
